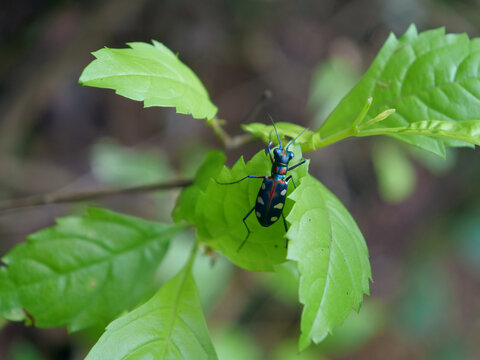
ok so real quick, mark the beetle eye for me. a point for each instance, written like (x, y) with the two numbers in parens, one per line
(290, 155)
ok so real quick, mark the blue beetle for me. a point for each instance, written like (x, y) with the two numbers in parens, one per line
(271, 197)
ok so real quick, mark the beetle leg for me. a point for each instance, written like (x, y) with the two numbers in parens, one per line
(286, 230)
(246, 177)
(296, 165)
(245, 222)
(289, 177)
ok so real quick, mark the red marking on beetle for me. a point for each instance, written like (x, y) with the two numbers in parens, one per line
(271, 194)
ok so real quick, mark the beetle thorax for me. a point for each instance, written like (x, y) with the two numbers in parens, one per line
(280, 166)
(279, 171)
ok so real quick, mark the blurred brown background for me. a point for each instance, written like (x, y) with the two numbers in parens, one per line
(420, 215)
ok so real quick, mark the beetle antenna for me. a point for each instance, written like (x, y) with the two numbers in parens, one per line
(276, 132)
(291, 142)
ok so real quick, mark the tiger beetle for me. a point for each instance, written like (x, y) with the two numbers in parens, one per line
(273, 192)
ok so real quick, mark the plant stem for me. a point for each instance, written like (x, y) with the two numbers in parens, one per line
(363, 113)
(56, 198)
(380, 117)
(216, 125)
(334, 138)
(356, 129)
(193, 252)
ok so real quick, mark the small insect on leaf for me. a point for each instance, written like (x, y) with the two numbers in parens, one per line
(219, 209)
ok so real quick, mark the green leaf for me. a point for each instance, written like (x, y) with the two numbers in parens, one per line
(308, 140)
(427, 76)
(220, 209)
(332, 259)
(86, 270)
(188, 198)
(468, 130)
(10, 307)
(170, 325)
(150, 73)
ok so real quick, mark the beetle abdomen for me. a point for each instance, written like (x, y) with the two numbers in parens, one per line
(270, 201)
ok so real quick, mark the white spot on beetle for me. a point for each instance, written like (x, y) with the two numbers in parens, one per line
(260, 201)
(284, 191)
(263, 186)
(278, 206)
(274, 218)
(259, 215)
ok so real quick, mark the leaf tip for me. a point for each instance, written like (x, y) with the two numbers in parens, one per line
(304, 342)
(412, 27)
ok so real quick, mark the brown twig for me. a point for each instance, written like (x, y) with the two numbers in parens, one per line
(236, 141)
(63, 197)
(267, 94)
(57, 198)
(239, 140)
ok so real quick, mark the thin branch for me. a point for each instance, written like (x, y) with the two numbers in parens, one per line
(267, 94)
(239, 140)
(63, 197)
(57, 198)
(216, 125)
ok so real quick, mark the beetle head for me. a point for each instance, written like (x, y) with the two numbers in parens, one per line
(282, 156)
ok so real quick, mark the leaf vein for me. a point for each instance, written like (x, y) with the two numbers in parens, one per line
(106, 259)
(375, 108)
(149, 76)
(327, 280)
(174, 312)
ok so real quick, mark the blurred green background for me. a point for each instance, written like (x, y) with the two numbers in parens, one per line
(419, 214)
